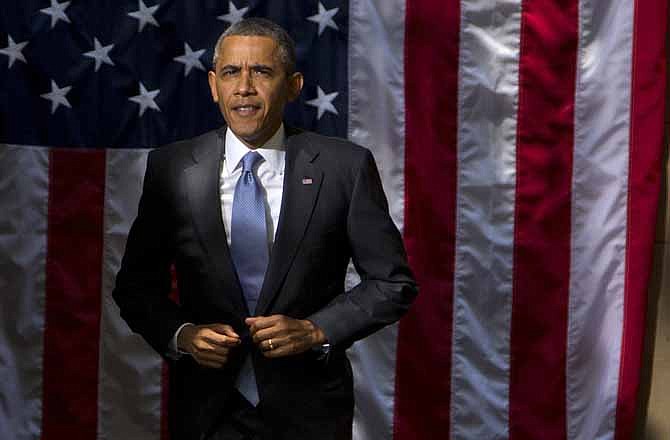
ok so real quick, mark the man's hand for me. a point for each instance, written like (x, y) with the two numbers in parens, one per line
(209, 344)
(279, 335)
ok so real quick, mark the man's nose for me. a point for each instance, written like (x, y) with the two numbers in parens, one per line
(245, 85)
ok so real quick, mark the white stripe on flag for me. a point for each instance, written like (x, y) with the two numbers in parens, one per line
(377, 121)
(24, 195)
(487, 120)
(599, 207)
(129, 396)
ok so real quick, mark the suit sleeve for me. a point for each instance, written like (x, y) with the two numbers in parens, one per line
(144, 281)
(387, 286)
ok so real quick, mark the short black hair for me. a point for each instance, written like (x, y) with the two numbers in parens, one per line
(262, 27)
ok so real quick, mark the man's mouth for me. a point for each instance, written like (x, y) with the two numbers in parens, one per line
(246, 109)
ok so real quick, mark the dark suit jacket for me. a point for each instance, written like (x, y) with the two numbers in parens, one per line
(338, 215)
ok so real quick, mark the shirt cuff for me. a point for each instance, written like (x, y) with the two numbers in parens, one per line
(173, 350)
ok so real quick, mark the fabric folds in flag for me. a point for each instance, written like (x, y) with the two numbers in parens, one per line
(519, 143)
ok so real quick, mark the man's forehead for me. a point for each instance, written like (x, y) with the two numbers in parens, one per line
(253, 49)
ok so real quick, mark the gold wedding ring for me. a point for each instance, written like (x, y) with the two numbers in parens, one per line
(270, 343)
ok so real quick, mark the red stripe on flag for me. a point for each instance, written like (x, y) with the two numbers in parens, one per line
(424, 341)
(547, 72)
(646, 146)
(73, 289)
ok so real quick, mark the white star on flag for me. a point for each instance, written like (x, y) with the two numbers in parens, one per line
(144, 15)
(234, 15)
(100, 54)
(57, 12)
(323, 102)
(13, 51)
(57, 96)
(190, 59)
(324, 18)
(146, 99)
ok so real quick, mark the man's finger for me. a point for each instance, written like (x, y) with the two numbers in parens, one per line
(222, 351)
(267, 333)
(260, 322)
(203, 346)
(274, 343)
(284, 350)
(224, 329)
(221, 340)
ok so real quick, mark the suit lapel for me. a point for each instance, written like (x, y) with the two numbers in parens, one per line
(202, 181)
(302, 182)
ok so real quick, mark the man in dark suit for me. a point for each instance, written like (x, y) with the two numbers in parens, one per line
(260, 222)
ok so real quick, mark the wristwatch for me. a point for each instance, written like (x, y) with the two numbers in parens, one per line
(322, 351)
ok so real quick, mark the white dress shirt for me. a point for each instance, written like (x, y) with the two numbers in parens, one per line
(270, 173)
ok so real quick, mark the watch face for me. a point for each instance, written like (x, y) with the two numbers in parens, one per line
(323, 350)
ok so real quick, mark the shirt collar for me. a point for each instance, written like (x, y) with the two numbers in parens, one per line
(273, 151)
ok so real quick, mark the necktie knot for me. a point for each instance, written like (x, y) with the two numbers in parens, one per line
(250, 160)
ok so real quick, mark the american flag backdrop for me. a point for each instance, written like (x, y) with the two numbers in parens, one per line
(519, 143)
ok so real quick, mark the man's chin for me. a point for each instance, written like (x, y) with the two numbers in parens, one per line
(251, 136)
(244, 133)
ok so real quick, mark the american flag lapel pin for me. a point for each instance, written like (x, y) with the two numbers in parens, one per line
(307, 181)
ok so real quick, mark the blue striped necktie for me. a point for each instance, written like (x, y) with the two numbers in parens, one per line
(250, 252)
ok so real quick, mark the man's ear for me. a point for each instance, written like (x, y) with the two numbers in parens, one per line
(211, 78)
(295, 83)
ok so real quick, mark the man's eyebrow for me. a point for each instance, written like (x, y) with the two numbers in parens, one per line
(230, 67)
(261, 67)
(236, 67)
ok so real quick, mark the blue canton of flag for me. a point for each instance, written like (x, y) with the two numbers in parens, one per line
(132, 74)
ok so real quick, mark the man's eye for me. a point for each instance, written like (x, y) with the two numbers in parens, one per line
(262, 72)
(228, 72)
